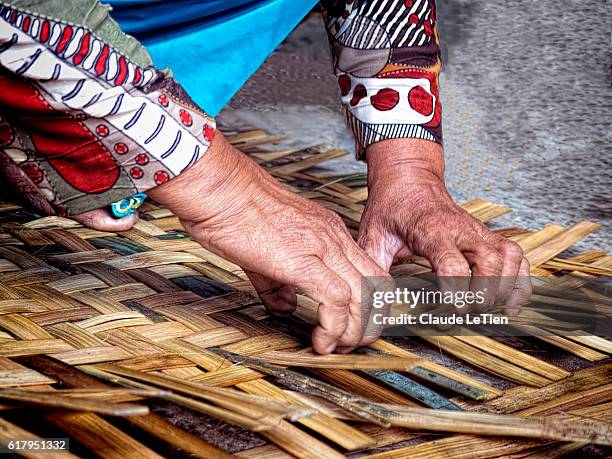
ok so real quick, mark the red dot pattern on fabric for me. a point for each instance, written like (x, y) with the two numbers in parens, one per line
(102, 60)
(136, 172)
(64, 40)
(102, 130)
(34, 172)
(121, 148)
(161, 177)
(6, 136)
(141, 159)
(185, 118)
(413, 18)
(420, 100)
(123, 72)
(427, 28)
(25, 25)
(163, 100)
(137, 75)
(359, 93)
(83, 49)
(344, 81)
(45, 29)
(385, 99)
(408, 3)
(209, 133)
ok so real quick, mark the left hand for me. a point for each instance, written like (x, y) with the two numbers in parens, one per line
(409, 212)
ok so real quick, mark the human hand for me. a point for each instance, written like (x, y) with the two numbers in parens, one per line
(235, 209)
(409, 212)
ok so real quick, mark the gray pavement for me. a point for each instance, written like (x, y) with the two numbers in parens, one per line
(527, 99)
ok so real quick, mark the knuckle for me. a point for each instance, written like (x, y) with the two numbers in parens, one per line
(512, 250)
(452, 264)
(336, 219)
(339, 295)
(332, 219)
(333, 256)
(492, 259)
(310, 241)
(336, 329)
(300, 267)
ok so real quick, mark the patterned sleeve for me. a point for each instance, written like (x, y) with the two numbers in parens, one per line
(85, 118)
(386, 58)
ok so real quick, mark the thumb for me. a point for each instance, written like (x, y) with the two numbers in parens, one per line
(279, 299)
(381, 246)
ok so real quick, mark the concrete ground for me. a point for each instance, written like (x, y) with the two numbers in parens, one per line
(526, 91)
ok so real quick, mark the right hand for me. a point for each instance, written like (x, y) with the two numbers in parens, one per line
(235, 209)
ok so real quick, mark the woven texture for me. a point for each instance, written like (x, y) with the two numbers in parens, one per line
(95, 327)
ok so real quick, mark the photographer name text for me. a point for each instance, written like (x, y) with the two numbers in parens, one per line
(432, 319)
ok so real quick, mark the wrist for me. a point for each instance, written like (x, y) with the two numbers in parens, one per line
(413, 160)
(214, 184)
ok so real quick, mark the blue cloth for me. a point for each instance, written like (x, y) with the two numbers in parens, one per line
(211, 46)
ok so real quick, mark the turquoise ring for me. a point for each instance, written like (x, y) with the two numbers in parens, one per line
(127, 206)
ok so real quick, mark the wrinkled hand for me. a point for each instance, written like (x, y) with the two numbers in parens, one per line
(235, 209)
(409, 212)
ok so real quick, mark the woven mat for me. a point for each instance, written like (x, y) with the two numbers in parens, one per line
(96, 327)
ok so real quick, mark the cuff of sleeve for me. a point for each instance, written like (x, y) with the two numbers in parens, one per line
(403, 104)
(367, 134)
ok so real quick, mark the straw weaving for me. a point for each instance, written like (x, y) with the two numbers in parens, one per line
(102, 335)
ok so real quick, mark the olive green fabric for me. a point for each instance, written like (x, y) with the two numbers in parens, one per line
(92, 15)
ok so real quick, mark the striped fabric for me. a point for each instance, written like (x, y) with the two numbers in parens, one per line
(84, 123)
(386, 57)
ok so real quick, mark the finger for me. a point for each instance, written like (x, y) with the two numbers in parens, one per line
(279, 299)
(333, 294)
(486, 264)
(360, 288)
(361, 330)
(378, 247)
(102, 220)
(376, 279)
(452, 271)
(512, 257)
(522, 290)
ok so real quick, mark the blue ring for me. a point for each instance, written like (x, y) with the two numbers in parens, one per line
(127, 206)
